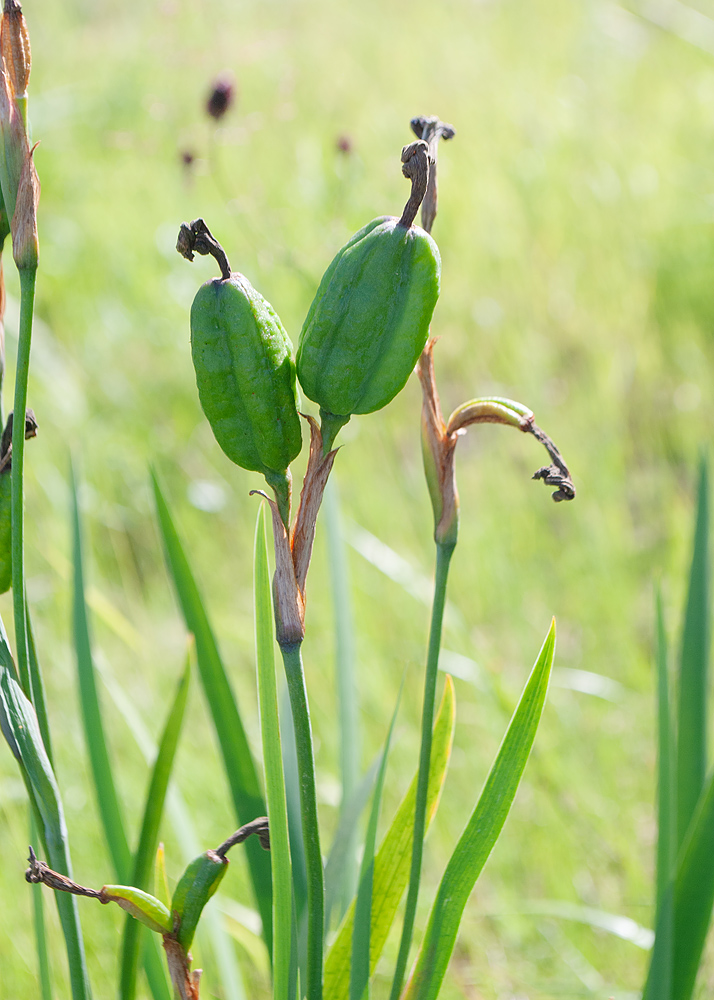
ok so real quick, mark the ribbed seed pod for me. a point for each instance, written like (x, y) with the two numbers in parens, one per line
(370, 318)
(195, 887)
(244, 371)
(141, 905)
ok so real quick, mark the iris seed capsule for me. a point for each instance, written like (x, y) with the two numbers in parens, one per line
(244, 370)
(369, 320)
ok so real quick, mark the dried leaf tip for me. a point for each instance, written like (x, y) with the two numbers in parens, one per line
(15, 47)
(25, 244)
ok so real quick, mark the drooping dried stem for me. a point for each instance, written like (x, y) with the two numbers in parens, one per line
(39, 872)
(197, 237)
(415, 166)
(430, 128)
(258, 826)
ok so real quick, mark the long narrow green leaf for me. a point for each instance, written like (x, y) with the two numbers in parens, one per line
(344, 840)
(391, 865)
(347, 697)
(362, 929)
(273, 766)
(37, 686)
(104, 786)
(149, 836)
(212, 935)
(481, 833)
(666, 793)
(693, 681)
(693, 896)
(297, 847)
(97, 746)
(21, 730)
(38, 907)
(240, 767)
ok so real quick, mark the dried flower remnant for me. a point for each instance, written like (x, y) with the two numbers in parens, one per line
(221, 96)
(15, 48)
(430, 128)
(439, 440)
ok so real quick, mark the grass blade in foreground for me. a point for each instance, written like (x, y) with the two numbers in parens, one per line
(481, 833)
(391, 865)
(692, 738)
(693, 897)
(361, 933)
(148, 839)
(240, 767)
(346, 690)
(273, 766)
(21, 730)
(107, 798)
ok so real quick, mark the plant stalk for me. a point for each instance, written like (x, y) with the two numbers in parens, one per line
(27, 300)
(292, 658)
(444, 553)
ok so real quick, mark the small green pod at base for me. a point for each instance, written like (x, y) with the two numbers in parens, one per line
(195, 887)
(369, 320)
(142, 905)
(244, 370)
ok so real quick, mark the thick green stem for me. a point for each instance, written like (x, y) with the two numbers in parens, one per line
(292, 659)
(443, 559)
(27, 299)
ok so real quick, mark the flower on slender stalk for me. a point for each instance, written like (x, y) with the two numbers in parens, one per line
(221, 96)
(439, 440)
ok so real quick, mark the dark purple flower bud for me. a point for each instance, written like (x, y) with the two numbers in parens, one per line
(344, 144)
(221, 96)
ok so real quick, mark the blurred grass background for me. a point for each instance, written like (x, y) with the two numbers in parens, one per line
(576, 223)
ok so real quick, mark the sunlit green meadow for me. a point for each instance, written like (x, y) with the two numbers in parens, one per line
(576, 227)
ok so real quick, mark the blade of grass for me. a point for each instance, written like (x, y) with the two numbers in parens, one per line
(97, 747)
(239, 765)
(297, 849)
(211, 927)
(391, 864)
(693, 681)
(105, 788)
(481, 833)
(693, 897)
(149, 836)
(347, 698)
(662, 955)
(273, 765)
(38, 908)
(344, 841)
(21, 730)
(37, 687)
(361, 931)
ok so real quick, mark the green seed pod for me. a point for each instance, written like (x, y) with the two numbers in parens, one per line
(370, 318)
(141, 905)
(196, 886)
(244, 370)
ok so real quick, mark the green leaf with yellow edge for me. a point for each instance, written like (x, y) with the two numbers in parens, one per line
(391, 864)
(481, 833)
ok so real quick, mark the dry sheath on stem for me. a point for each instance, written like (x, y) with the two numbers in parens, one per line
(439, 439)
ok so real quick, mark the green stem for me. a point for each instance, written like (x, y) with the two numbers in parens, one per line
(27, 299)
(292, 659)
(443, 559)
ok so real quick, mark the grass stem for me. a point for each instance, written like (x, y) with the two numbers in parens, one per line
(27, 299)
(443, 560)
(292, 658)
